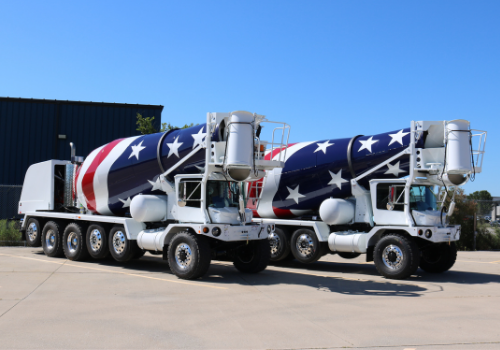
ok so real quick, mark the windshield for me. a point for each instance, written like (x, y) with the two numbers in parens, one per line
(222, 194)
(422, 198)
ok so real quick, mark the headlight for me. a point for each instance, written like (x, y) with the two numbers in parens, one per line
(428, 233)
(216, 232)
(268, 228)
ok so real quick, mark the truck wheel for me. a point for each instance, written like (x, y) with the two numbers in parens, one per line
(348, 255)
(305, 246)
(121, 248)
(33, 233)
(97, 241)
(396, 256)
(74, 244)
(438, 257)
(188, 255)
(253, 257)
(280, 244)
(52, 239)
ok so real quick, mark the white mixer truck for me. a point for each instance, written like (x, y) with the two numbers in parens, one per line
(178, 193)
(382, 195)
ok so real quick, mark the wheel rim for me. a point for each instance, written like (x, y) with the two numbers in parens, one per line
(72, 242)
(32, 231)
(393, 257)
(50, 239)
(183, 256)
(305, 245)
(275, 243)
(119, 242)
(95, 240)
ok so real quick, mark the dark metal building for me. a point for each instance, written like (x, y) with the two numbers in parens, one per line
(34, 130)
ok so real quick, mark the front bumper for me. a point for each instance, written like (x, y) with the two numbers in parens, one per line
(439, 234)
(234, 233)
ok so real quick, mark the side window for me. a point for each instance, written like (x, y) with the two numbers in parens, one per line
(383, 197)
(191, 192)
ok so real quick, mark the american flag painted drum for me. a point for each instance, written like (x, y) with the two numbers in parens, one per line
(314, 171)
(116, 172)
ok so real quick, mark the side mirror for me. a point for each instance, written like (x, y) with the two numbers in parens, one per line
(181, 203)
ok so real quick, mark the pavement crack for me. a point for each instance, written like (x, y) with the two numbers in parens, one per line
(38, 286)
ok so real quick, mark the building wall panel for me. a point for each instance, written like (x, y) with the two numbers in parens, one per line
(29, 130)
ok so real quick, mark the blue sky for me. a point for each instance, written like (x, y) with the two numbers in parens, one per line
(331, 69)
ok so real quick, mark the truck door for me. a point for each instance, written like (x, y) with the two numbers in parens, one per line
(189, 192)
(388, 208)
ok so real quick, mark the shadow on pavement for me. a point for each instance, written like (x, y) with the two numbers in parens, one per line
(451, 276)
(312, 275)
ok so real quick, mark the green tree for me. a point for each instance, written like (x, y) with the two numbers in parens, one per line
(487, 237)
(168, 126)
(145, 125)
(9, 233)
(463, 215)
(484, 200)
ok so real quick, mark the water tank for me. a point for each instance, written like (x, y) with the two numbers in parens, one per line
(148, 208)
(335, 211)
(458, 149)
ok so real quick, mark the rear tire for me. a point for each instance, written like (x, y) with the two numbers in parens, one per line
(279, 241)
(121, 248)
(396, 256)
(438, 257)
(97, 241)
(253, 257)
(189, 255)
(33, 233)
(74, 243)
(52, 239)
(305, 246)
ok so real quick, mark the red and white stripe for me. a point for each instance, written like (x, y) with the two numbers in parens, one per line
(271, 185)
(92, 182)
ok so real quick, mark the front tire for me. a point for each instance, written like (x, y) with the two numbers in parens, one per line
(33, 233)
(74, 243)
(188, 255)
(279, 241)
(253, 257)
(121, 248)
(305, 246)
(438, 257)
(396, 256)
(52, 239)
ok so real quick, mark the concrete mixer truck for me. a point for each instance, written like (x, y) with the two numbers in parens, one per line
(178, 193)
(382, 195)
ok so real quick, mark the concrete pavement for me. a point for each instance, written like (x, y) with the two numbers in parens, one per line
(54, 303)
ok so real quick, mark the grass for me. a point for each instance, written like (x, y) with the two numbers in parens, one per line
(9, 233)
